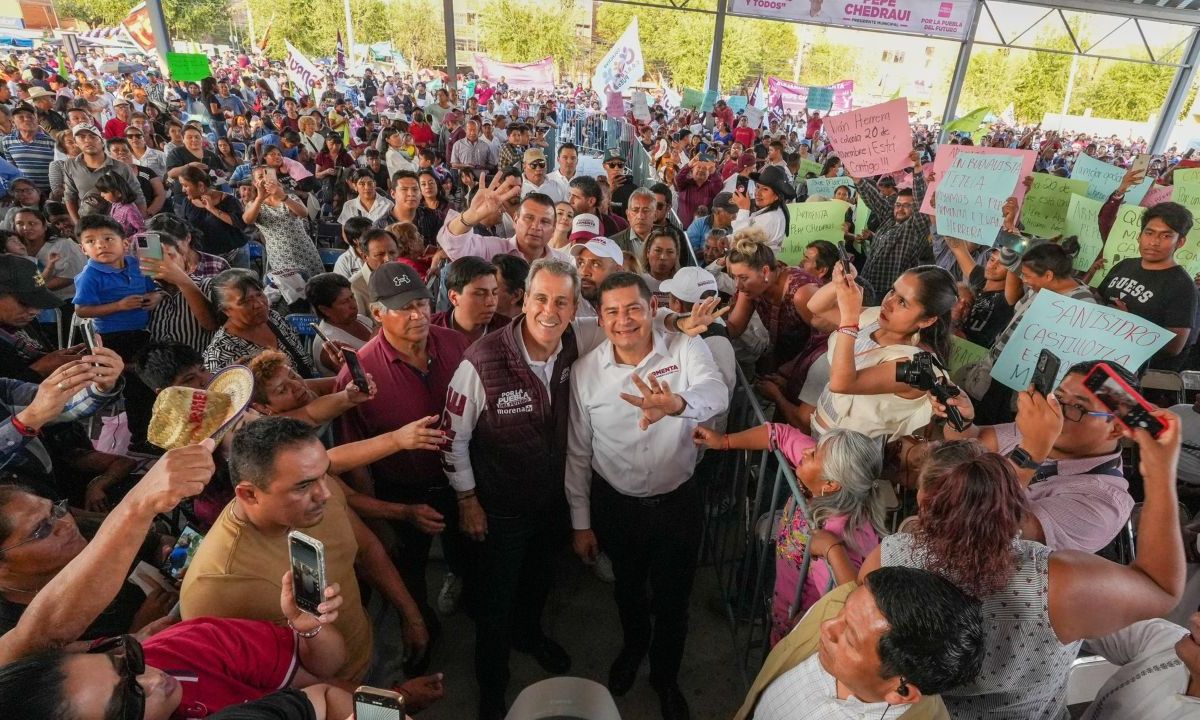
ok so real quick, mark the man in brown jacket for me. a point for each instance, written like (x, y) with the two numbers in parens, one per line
(900, 639)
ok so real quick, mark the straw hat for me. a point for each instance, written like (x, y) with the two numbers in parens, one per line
(185, 416)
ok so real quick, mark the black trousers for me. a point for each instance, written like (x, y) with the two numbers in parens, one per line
(514, 573)
(412, 554)
(139, 399)
(652, 543)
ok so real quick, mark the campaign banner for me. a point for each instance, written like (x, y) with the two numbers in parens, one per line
(622, 65)
(1076, 331)
(873, 140)
(945, 158)
(1045, 210)
(137, 24)
(950, 20)
(524, 76)
(812, 221)
(784, 96)
(970, 198)
(304, 75)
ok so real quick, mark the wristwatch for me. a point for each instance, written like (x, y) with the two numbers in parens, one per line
(1022, 459)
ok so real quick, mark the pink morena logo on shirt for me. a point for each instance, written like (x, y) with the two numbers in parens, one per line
(668, 370)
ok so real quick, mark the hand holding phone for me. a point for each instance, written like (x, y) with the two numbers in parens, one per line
(307, 556)
(356, 371)
(1045, 373)
(1119, 398)
(149, 247)
(377, 704)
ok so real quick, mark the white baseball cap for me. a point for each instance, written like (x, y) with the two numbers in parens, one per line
(690, 284)
(602, 247)
(585, 226)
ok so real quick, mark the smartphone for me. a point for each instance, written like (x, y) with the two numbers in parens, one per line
(88, 327)
(356, 370)
(1045, 373)
(1127, 404)
(308, 570)
(149, 247)
(377, 704)
(271, 174)
(845, 257)
(317, 329)
(1141, 163)
(742, 183)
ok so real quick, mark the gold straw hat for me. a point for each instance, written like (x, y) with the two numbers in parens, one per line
(185, 416)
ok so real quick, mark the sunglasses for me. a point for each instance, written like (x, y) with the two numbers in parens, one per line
(57, 512)
(614, 164)
(537, 164)
(130, 662)
(134, 136)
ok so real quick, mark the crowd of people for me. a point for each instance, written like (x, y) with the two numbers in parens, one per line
(389, 312)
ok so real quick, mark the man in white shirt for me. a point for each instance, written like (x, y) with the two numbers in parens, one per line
(535, 178)
(369, 203)
(596, 258)
(1159, 676)
(568, 164)
(629, 464)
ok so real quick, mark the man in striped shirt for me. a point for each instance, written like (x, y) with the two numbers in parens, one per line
(29, 147)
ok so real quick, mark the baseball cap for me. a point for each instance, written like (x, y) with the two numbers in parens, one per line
(706, 157)
(585, 226)
(23, 107)
(85, 127)
(396, 285)
(20, 278)
(533, 155)
(724, 201)
(601, 246)
(613, 154)
(120, 101)
(690, 284)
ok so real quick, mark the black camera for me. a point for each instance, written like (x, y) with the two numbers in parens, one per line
(918, 372)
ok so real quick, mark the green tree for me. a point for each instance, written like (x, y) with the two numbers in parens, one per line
(418, 31)
(775, 44)
(989, 81)
(825, 63)
(187, 19)
(1125, 91)
(514, 31)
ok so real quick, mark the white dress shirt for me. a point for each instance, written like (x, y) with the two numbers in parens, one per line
(353, 208)
(604, 433)
(558, 192)
(808, 691)
(771, 222)
(1152, 680)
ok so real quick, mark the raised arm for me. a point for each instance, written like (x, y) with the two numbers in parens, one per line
(1091, 596)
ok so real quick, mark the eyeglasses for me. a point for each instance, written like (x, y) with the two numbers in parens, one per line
(57, 512)
(1076, 413)
(537, 164)
(131, 662)
(613, 164)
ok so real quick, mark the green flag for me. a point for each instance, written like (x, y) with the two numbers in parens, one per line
(895, 94)
(969, 122)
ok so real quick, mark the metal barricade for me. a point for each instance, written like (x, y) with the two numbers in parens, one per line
(742, 506)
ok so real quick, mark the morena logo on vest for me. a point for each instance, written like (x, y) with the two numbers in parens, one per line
(514, 401)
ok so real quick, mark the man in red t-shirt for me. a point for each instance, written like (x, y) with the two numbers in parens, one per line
(744, 134)
(814, 125)
(116, 127)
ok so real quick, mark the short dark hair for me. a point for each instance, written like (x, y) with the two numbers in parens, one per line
(1048, 257)
(256, 445)
(361, 174)
(513, 269)
(323, 290)
(935, 638)
(402, 175)
(538, 198)
(37, 685)
(587, 185)
(623, 279)
(465, 270)
(364, 240)
(1085, 367)
(663, 189)
(194, 174)
(1176, 216)
(98, 222)
(827, 254)
(354, 228)
(170, 225)
(567, 146)
(159, 363)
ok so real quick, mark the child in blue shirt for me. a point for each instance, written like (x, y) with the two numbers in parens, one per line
(113, 291)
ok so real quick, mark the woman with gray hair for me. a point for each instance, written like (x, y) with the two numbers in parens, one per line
(249, 325)
(839, 478)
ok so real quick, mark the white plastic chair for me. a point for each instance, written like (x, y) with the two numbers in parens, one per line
(564, 698)
(1086, 677)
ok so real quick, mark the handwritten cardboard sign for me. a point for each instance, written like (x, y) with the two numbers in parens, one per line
(692, 99)
(812, 221)
(1186, 192)
(874, 140)
(819, 98)
(963, 354)
(970, 198)
(1076, 331)
(1122, 240)
(1044, 212)
(945, 157)
(809, 166)
(826, 186)
(1103, 179)
(1155, 195)
(1082, 221)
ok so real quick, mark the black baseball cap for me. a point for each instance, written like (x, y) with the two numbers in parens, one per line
(20, 278)
(724, 201)
(396, 285)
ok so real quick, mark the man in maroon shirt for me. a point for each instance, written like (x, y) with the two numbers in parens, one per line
(412, 363)
(744, 134)
(697, 184)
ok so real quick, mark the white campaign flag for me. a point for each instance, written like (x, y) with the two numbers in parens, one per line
(758, 96)
(305, 76)
(622, 65)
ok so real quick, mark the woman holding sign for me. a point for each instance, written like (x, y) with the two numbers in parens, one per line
(862, 392)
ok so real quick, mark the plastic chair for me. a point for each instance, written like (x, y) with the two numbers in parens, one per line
(1164, 385)
(564, 698)
(1085, 678)
(330, 256)
(302, 323)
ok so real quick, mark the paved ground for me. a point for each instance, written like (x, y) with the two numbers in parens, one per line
(582, 616)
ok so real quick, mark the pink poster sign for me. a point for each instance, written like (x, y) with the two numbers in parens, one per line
(524, 76)
(873, 140)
